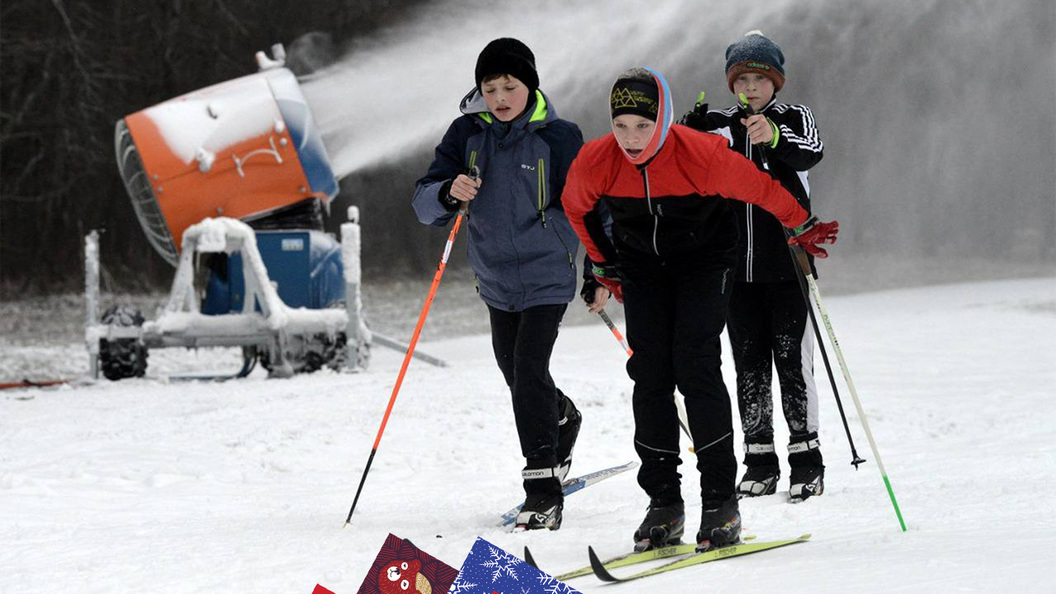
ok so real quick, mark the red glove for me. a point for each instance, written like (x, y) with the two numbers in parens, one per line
(813, 233)
(609, 278)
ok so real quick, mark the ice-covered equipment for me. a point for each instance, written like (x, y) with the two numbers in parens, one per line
(198, 168)
(229, 182)
(286, 339)
(240, 149)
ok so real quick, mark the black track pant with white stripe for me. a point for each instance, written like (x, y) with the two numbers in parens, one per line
(768, 328)
(675, 315)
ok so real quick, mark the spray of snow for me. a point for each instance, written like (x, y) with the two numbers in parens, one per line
(867, 69)
(402, 90)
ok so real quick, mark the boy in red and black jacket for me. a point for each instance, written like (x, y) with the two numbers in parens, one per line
(767, 316)
(671, 261)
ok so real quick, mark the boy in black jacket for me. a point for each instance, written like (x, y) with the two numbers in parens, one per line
(767, 316)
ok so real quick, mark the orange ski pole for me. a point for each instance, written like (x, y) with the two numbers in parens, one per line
(615, 331)
(410, 352)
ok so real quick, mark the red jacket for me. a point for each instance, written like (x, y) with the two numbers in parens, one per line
(675, 204)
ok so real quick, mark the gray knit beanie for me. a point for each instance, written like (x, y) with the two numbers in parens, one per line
(755, 53)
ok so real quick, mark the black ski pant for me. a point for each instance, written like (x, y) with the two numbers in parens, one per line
(768, 328)
(675, 314)
(523, 342)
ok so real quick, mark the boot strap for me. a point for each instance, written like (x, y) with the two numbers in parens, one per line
(803, 446)
(758, 448)
(540, 473)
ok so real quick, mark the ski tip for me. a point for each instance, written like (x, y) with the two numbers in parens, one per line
(529, 559)
(599, 568)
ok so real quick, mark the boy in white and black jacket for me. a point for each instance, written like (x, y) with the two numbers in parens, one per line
(767, 315)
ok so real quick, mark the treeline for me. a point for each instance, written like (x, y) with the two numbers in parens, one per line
(70, 70)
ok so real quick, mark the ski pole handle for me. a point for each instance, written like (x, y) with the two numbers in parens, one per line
(751, 111)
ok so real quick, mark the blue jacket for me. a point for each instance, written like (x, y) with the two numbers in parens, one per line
(521, 246)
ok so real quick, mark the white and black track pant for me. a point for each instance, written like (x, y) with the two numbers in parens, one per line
(768, 328)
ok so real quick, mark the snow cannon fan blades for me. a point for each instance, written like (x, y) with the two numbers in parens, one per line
(243, 148)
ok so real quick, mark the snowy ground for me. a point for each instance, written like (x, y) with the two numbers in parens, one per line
(170, 486)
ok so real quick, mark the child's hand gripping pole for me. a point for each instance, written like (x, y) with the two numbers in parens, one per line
(812, 233)
(697, 118)
(751, 112)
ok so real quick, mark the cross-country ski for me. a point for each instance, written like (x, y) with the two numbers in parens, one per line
(692, 559)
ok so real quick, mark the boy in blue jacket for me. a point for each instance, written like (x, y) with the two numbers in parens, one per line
(504, 161)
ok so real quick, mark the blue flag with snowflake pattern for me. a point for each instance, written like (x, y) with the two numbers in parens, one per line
(491, 570)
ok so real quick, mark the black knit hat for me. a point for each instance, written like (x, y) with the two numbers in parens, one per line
(635, 92)
(511, 57)
(755, 53)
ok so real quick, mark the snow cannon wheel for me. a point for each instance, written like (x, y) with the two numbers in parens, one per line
(123, 357)
(315, 353)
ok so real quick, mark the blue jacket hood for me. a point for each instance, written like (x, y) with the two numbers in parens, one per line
(539, 113)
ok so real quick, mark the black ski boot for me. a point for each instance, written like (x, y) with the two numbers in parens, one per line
(720, 524)
(762, 472)
(663, 526)
(808, 471)
(568, 426)
(543, 501)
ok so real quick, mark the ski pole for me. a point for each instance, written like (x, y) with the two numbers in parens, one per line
(803, 278)
(855, 458)
(615, 331)
(806, 279)
(627, 347)
(474, 174)
(804, 263)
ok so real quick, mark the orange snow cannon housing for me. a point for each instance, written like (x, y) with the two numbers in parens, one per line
(239, 149)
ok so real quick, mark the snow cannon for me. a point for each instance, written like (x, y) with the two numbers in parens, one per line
(242, 149)
(229, 184)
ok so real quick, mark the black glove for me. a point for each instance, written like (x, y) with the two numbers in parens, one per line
(590, 285)
(609, 277)
(446, 200)
(696, 118)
